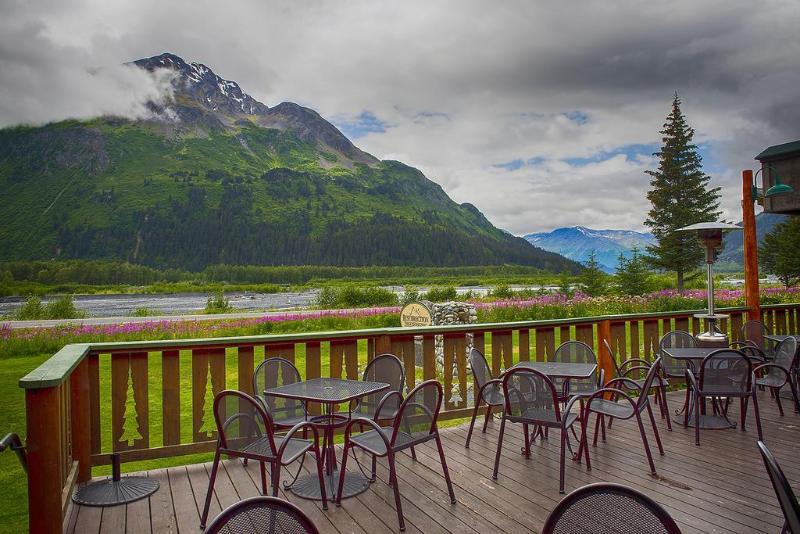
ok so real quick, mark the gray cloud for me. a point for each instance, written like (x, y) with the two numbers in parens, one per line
(465, 85)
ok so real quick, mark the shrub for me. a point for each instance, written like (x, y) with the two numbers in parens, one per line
(63, 308)
(441, 294)
(218, 303)
(501, 292)
(410, 294)
(142, 312)
(32, 309)
(355, 297)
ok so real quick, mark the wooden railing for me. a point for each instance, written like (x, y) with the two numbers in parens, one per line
(152, 399)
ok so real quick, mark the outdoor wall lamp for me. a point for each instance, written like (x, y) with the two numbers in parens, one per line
(779, 188)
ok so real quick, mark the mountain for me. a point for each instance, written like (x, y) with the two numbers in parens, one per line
(214, 176)
(578, 242)
(732, 256)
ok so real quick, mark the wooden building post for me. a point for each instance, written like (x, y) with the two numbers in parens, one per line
(750, 248)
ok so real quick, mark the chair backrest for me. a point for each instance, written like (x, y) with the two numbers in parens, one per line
(389, 369)
(257, 515)
(613, 358)
(675, 339)
(241, 420)
(606, 508)
(754, 331)
(274, 372)
(574, 352)
(419, 411)
(726, 372)
(785, 356)
(530, 395)
(480, 368)
(786, 498)
(652, 373)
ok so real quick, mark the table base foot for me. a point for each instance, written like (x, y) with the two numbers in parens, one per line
(307, 486)
(708, 422)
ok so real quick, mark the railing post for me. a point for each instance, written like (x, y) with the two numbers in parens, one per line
(383, 344)
(751, 296)
(80, 420)
(604, 334)
(45, 461)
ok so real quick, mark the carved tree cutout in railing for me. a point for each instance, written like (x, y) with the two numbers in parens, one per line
(208, 427)
(130, 423)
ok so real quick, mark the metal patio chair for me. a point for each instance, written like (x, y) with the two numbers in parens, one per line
(274, 372)
(780, 371)
(621, 405)
(609, 509)
(414, 424)
(783, 491)
(245, 430)
(725, 373)
(532, 400)
(487, 389)
(671, 367)
(753, 331)
(262, 515)
(634, 366)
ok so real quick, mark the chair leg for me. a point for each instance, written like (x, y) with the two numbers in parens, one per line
(499, 446)
(395, 486)
(793, 388)
(655, 430)
(323, 491)
(561, 460)
(264, 477)
(757, 415)
(338, 497)
(742, 411)
(778, 400)
(596, 428)
(374, 467)
(210, 491)
(696, 419)
(646, 444)
(487, 417)
(585, 441)
(276, 478)
(472, 421)
(665, 407)
(527, 449)
(445, 470)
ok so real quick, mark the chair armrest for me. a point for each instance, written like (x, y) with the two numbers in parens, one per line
(636, 368)
(294, 430)
(746, 343)
(568, 408)
(757, 369)
(385, 398)
(487, 383)
(632, 361)
(603, 392)
(625, 382)
(368, 422)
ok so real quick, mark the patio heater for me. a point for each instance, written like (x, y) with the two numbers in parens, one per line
(710, 235)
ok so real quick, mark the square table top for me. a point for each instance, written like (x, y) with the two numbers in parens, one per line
(327, 390)
(561, 369)
(690, 353)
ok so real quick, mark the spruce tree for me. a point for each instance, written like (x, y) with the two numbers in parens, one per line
(680, 196)
(633, 277)
(780, 251)
(593, 279)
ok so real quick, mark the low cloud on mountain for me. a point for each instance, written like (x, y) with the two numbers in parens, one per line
(458, 89)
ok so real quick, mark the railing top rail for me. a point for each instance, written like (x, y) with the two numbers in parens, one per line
(58, 367)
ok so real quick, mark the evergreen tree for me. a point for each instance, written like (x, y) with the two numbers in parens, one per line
(780, 251)
(680, 196)
(593, 279)
(565, 284)
(633, 276)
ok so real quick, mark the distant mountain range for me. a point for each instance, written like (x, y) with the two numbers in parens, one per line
(732, 256)
(216, 177)
(578, 242)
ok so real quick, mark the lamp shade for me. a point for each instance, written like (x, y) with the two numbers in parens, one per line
(779, 189)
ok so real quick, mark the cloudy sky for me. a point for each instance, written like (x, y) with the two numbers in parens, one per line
(542, 114)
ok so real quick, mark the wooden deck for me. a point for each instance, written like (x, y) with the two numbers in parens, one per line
(720, 486)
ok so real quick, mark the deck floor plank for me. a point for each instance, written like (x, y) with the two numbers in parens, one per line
(719, 487)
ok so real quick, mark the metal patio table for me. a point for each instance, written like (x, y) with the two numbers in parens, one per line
(329, 392)
(693, 356)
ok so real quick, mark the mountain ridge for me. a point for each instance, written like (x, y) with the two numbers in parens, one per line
(578, 242)
(214, 176)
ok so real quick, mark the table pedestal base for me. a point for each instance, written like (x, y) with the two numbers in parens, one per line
(307, 486)
(708, 422)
